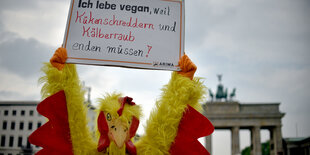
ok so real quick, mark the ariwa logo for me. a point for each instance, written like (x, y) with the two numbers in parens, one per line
(163, 64)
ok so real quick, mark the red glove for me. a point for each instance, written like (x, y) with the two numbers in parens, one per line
(188, 68)
(59, 58)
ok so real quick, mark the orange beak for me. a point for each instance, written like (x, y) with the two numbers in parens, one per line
(118, 133)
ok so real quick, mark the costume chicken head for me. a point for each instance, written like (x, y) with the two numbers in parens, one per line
(117, 122)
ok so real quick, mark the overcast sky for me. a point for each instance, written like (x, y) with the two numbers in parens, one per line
(262, 47)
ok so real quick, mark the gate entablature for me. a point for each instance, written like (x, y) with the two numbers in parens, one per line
(235, 116)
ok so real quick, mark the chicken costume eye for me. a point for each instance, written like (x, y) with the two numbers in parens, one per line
(109, 117)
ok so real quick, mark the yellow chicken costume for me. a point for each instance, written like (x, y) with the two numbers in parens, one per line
(173, 127)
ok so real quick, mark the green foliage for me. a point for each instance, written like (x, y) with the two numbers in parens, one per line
(265, 149)
(246, 151)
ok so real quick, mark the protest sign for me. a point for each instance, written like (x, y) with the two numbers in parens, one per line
(129, 33)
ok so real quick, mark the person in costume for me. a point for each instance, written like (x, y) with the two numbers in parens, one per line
(173, 127)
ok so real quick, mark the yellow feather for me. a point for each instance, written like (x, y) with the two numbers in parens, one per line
(162, 126)
(68, 80)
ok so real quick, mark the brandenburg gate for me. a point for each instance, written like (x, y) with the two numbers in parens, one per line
(235, 116)
(254, 117)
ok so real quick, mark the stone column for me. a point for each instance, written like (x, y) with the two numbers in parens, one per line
(255, 141)
(235, 142)
(276, 146)
(209, 143)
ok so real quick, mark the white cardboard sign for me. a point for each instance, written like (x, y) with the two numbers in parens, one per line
(129, 33)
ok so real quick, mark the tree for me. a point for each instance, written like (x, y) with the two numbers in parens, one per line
(265, 149)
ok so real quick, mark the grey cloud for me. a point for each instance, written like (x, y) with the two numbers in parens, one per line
(23, 5)
(261, 47)
(7, 94)
(24, 57)
(18, 55)
(259, 34)
(245, 24)
(16, 4)
(15, 96)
